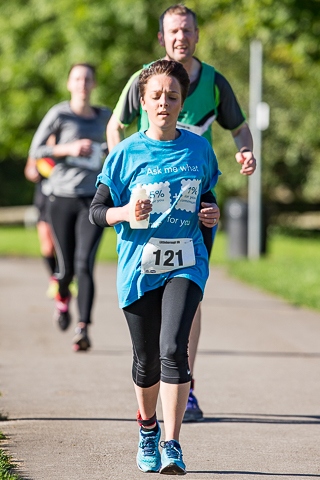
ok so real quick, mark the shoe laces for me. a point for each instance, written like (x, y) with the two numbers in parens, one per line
(173, 449)
(148, 444)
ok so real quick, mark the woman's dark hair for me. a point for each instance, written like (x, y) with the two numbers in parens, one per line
(165, 67)
(86, 65)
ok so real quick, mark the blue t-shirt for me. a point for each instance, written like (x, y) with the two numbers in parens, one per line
(175, 174)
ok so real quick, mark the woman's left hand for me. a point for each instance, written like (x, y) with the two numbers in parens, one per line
(209, 214)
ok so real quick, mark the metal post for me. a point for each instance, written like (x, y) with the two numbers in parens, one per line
(254, 194)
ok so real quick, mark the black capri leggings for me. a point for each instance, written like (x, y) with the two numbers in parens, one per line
(159, 325)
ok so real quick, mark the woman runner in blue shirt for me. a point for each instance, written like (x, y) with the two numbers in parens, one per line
(162, 269)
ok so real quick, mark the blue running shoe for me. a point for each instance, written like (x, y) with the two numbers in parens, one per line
(193, 412)
(148, 456)
(171, 459)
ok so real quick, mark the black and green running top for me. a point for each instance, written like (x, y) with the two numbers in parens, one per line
(210, 98)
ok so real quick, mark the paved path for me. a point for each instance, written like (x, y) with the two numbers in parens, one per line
(71, 416)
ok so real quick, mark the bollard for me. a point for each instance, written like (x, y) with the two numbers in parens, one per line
(236, 219)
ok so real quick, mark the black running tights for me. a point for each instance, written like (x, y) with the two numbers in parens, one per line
(76, 243)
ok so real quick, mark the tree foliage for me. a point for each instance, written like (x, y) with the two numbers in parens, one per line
(39, 40)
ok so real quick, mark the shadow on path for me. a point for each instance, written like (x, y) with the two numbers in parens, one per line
(215, 418)
(231, 353)
(257, 474)
(260, 354)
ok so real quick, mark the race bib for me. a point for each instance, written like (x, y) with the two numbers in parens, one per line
(161, 255)
(90, 163)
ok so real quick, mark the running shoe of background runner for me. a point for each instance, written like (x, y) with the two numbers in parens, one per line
(53, 287)
(193, 412)
(148, 456)
(171, 459)
(81, 340)
(61, 314)
(73, 287)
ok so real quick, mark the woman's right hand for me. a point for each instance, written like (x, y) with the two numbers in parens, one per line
(117, 215)
(80, 148)
(143, 209)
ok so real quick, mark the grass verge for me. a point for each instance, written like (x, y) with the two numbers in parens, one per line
(6, 465)
(290, 270)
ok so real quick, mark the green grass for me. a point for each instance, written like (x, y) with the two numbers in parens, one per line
(291, 269)
(6, 465)
(23, 242)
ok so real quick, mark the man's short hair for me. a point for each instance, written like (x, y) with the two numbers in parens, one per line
(178, 9)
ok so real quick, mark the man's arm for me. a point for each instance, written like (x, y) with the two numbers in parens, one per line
(126, 110)
(229, 117)
(243, 139)
(115, 132)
